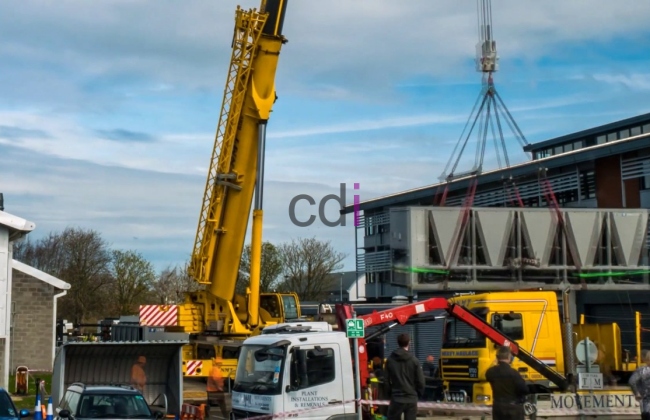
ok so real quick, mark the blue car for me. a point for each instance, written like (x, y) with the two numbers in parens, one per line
(8, 410)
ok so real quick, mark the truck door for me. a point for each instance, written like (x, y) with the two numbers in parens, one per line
(316, 383)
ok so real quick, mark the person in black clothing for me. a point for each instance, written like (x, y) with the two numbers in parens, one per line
(433, 387)
(404, 381)
(430, 367)
(509, 389)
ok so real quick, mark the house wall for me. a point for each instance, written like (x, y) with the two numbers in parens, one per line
(31, 336)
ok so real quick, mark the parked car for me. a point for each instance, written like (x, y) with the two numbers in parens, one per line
(8, 410)
(104, 402)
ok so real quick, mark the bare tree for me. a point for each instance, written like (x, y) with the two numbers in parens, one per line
(79, 257)
(271, 268)
(172, 285)
(307, 265)
(133, 277)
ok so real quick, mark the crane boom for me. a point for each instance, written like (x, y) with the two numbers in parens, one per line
(247, 101)
(216, 317)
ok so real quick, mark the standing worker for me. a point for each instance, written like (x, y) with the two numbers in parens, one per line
(404, 381)
(215, 387)
(509, 389)
(640, 384)
(138, 377)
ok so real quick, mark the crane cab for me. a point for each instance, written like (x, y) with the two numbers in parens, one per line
(279, 307)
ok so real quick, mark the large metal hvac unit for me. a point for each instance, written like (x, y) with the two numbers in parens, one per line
(483, 248)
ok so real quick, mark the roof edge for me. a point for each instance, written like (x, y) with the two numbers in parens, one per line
(349, 208)
(40, 275)
(15, 223)
(601, 129)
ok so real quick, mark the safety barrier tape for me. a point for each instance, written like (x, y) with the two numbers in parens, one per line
(457, 408)
(295, 413)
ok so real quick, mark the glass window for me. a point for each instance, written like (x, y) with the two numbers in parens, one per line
(510, 324)
(458, 334)
(259, 369)
(319, 367)
(612, 137)
(601, 139)
(270, 304)
(623, 134)
(646, 128)
(587, 185)
(557, 150)
(568, 147)
(73, 403)
(290, 307)
(578, 145)
(635, 131)
(94, 406)
(645, 183)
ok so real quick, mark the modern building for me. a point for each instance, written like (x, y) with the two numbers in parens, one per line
(605, 168)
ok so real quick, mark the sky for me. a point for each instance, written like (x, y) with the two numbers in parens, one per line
(108, 109)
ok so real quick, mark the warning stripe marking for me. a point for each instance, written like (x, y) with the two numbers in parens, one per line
(158, 315)
(193, 366)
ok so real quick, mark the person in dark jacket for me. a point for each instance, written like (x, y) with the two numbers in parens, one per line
(509, 389)
(404, 381)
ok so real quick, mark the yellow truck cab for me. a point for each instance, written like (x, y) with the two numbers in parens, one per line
(533, 320)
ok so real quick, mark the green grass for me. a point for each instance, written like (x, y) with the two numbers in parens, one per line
(28, 401)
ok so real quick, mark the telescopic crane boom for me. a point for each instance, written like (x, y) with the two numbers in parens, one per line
(236, 176)
(236, 167)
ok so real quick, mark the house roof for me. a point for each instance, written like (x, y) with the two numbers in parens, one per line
(40, 275)
(17, 226)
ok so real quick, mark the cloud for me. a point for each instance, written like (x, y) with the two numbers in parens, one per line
(635, 81)
(14, 133)
(152, 212)
(111, 107)
(121, 135)
(87, 45)
(367, 125)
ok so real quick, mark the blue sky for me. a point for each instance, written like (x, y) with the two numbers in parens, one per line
(108, 109)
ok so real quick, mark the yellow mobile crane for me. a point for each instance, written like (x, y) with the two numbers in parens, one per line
(216, 318)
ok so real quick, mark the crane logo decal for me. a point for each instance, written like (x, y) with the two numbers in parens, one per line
(321, 208)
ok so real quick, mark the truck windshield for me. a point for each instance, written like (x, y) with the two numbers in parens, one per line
(459, 335)
(259, 370)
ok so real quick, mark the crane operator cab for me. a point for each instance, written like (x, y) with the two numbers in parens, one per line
(279, 307)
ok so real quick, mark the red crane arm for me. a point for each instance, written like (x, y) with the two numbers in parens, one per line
(405, 313)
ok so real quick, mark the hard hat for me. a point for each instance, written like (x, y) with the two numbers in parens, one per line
(218, 359)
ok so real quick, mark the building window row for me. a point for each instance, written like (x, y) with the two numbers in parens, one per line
(592, 141)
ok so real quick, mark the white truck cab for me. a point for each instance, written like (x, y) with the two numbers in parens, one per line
(296, 370)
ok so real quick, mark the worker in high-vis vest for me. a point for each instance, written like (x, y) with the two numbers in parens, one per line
(215, 388)
(138, 376)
